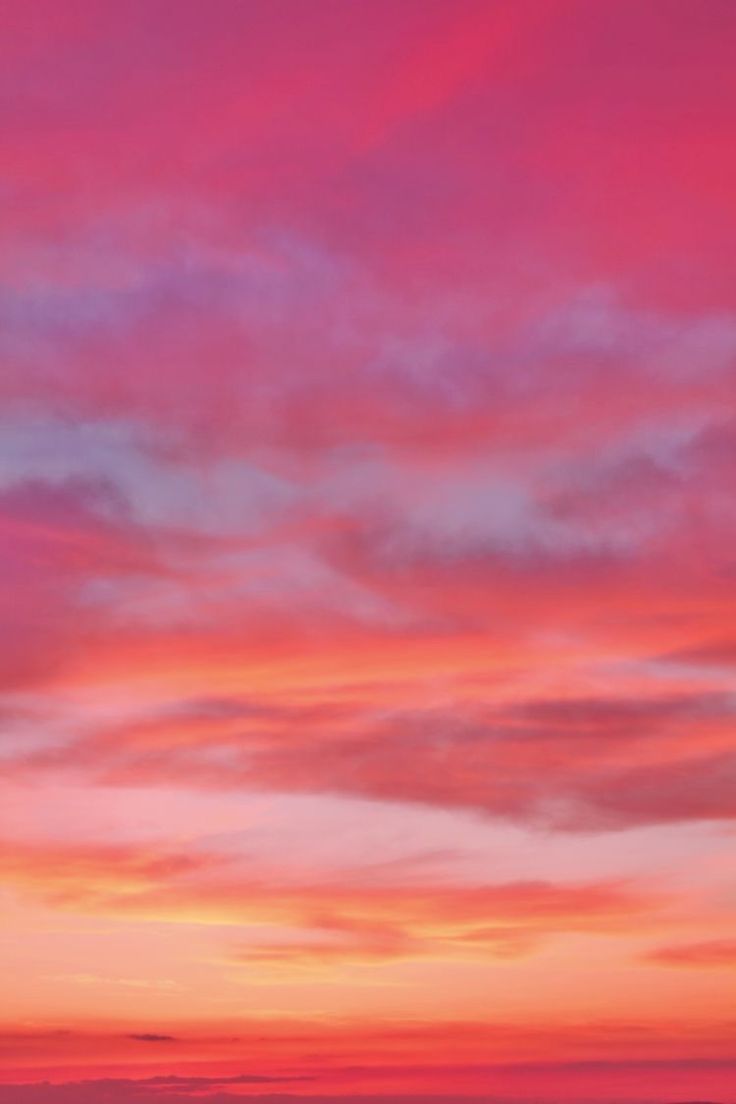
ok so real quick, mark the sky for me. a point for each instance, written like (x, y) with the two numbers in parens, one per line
(367, 551)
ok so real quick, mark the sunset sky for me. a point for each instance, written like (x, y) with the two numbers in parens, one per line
(367, 551)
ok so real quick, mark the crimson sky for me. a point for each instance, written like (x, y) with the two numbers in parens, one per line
(367, 551)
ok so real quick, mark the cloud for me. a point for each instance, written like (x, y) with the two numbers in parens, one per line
(710, 954)
(715, 653)
(144, 476)
(330, 923)
(502, 1081)
(403, 1060)
(575, 763)
(150, 1038)
(54, 537)
(145, 1090)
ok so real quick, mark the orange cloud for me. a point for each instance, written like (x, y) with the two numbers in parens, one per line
(344, 922)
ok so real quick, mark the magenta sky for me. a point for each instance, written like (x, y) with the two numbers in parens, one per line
(367, 551)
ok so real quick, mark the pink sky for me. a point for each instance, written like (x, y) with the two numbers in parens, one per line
(368, 550)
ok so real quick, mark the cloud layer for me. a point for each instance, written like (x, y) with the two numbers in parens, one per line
(367, 532)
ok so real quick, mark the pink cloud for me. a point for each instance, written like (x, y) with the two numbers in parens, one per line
(714, 953)
(366, 437)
